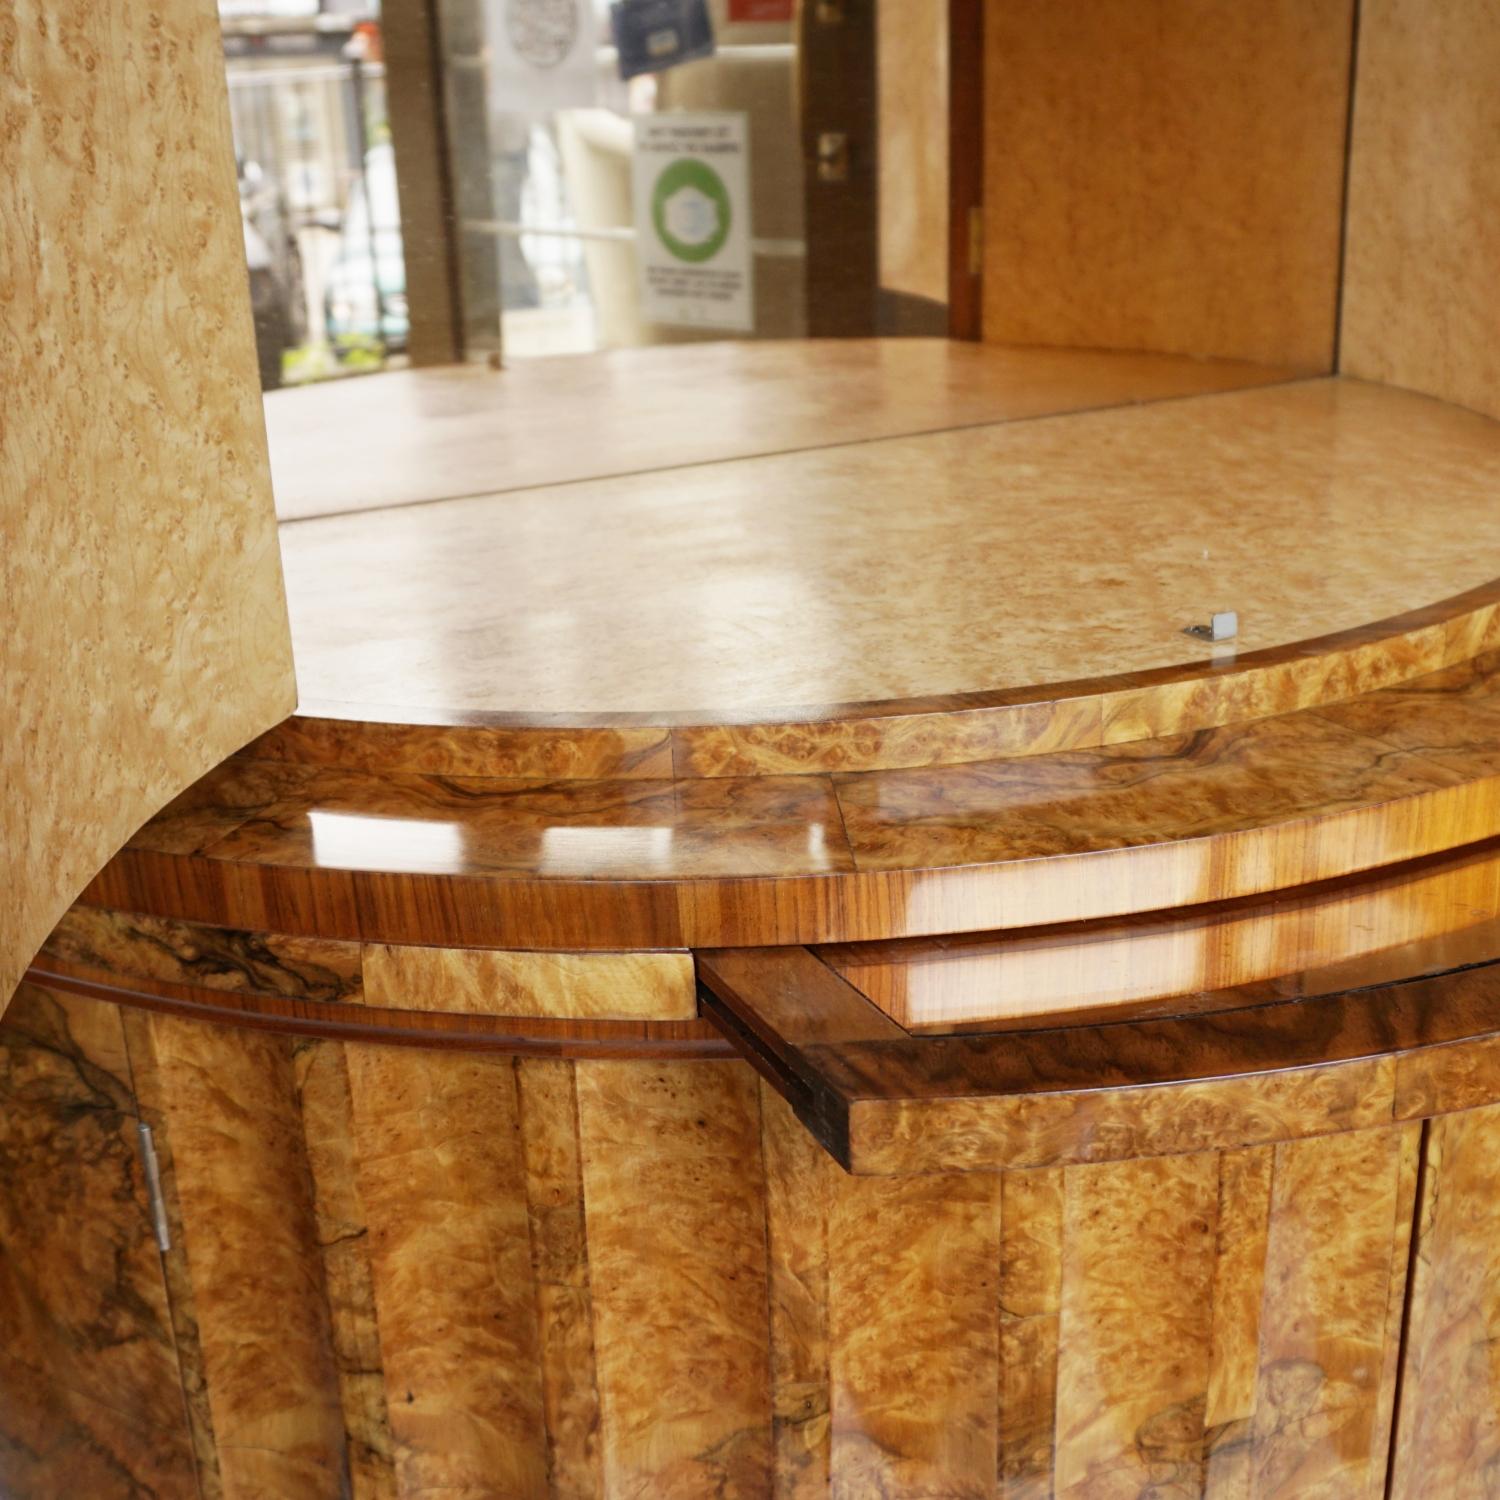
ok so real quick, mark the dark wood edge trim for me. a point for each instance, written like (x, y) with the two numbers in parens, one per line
(416, 106)
(1336, 356)
(965, 165)
(1409, 1056)
(448, 1031)
(802, 1059)
(771, 1002)
(1415, 1254)
(821, 1111)
(1440, 614)
(1241, 1069)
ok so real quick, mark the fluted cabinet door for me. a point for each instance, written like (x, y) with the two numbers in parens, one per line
(91, 1388)
(141, 607)
(393, 1273)
(1448, 1431)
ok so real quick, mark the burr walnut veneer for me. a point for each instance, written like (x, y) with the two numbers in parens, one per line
(1073, 1074)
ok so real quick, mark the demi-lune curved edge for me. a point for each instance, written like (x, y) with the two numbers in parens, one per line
(895, 734)
(524, 1036)
(883, 1102)
(1258, 810)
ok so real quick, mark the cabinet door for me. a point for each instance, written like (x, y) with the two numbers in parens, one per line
(141, 606)
(91, 1388)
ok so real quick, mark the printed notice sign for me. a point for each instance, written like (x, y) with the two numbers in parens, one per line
(692, 220)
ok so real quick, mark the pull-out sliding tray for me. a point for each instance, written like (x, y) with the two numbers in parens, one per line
(1371, 1050)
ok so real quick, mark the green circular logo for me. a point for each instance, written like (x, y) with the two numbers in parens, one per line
(690, 209)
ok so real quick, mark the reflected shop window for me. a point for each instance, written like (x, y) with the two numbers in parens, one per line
(431, 182)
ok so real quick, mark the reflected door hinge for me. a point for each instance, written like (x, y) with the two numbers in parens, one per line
(833, 156)
(153, 1187)
(976, 240)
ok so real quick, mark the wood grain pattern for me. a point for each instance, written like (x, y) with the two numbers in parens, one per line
(1265, 1060)
(1451, 715)
(215, 805)
(1448, 1436)
(332, 1147)
(988, 1135)
(1169, 962)
(452, 746)
(1185, 787)
(913, 1325)
(1423, 243)
(1337, 1244)
(1162, 178)
(884, 1103)
(150, 1092)
(1244, 1214)
(133, 946)
(517, 1037)
(560, 1266)
(1220, 815)
(1135, 1327)
(801, 1181)
(250, 1241)
(1031, 1243)
(936, 729)
(442, 1179)
(1272, 805)
(59, 1442)
(693, 1298)
(599, 986)
(734, 594)
(675, 1203)
(143, 613)
(602, 830)
(91, 1390)
(911, 66)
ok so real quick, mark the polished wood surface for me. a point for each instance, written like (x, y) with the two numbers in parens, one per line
(1161, 178)
(1423, 244)
(582, 1003)
(1132, 1341)
(408, 437)
(775, 588)
(1230, 687)
(1359, 1049)
(1264, 807)
(141, 602)
(451, 1269)
(1168, 962)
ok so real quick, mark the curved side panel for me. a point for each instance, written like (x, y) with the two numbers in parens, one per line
(141, 602)
(1423, 234)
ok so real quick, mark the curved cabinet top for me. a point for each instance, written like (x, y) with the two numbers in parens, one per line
(1010, 588)
(1273, 805)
